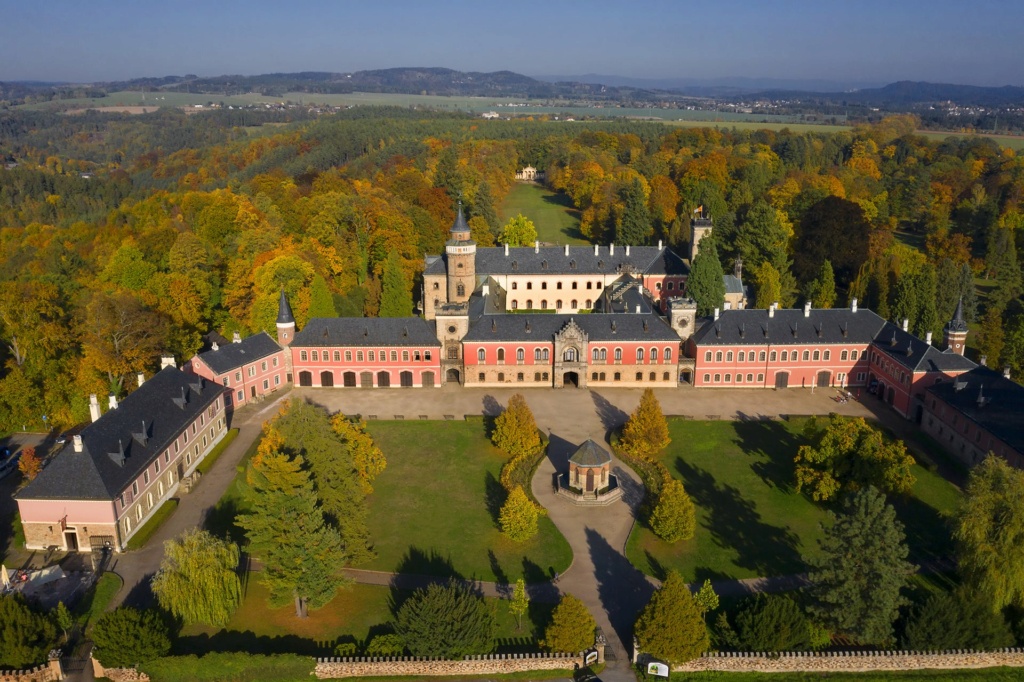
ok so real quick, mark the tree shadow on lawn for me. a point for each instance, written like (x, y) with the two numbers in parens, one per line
(250, 642)
(611, 416)
(622, 589)
(772, 440)
(928, 532)
(494, 497)
(735, 522)
(491, 409)
(539, 587)
(501, 579)
(220, 521)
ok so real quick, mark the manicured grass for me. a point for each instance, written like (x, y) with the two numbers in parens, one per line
(211, 458)
(221, 519)
(354, 615)
(984, 674)
(750, 520)
(553, 214)
(97, 599)
(142, 536)
(434, 509)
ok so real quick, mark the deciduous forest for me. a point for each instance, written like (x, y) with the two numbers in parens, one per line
(124, 237)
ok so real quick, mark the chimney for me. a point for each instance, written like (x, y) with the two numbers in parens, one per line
(94, 407)
(215, 346)
(717, 313)
(928, 338)
(112, 400)
(637, 308)
(659, 245)
(485, 290)
(627, 249)
(76, 442)
(167, 361)
(141, 378)
(853, 306)
(536, 247)
(807, 309)
(728, 305)
(737, 268)
(596, 250)
(566, 250)
(236, 337)
(506, 249)
(1006, 372)
(771, 310)
(983, 361)
(611, 249)
(905, 324)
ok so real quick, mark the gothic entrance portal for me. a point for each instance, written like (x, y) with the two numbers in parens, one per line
(571, 379)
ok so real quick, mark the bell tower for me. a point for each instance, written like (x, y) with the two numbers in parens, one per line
(700, 226)
(285, 321)
(461, 255)
(955, 332)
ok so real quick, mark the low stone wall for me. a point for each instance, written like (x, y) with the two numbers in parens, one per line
(407, 666)
(853, 661)
(118, 674)
(51, 672)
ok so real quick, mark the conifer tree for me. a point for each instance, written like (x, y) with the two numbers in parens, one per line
(633, 224)
(445, 620)
(767, 284)
(302, 556)
(571, 629)
(198, 579)
(671, 627)
(395, 295)
(904, 300)
(674, 517)
(705, 284)
(518, 516)
(646, 431)
(321, 302)
(968, 294)
(515, 430)
(126, 637)
(927, 317)
(947, 289)
(483, 207)
(822, 291)
(991, 336)
(861, 569)
(25, 634)
(706, 599)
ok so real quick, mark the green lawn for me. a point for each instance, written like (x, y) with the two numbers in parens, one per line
(354, 615)
(96, 600)
(556, 219)
(983, 675)
(434, 509)
(750, 520)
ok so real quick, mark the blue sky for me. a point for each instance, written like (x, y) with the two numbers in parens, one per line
(976, 41)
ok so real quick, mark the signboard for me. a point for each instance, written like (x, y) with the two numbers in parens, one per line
(657, 669)
(591, 657)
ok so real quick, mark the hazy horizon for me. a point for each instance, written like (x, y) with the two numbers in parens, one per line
(869, 42)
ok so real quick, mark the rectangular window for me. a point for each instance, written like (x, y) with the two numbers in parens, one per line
(405, 356)
(241, 396)
(316, 357)
(224, 381)
(707, 356)
(359, 356)
(275, 358)
(481, 377)
(728, 378)
(167, 456)
(816, 356)
(828, 355)
(238, 375)
(741, 356)
(394, 356)
(145, 478)
(266, 384)
(263, 366)
(277, 379)
(853, 355)
(135, 488)
(762, 356)
(348, 356)
(807, 356)
(303, 356)
(707, 378)
(122, 502)
(760, 378)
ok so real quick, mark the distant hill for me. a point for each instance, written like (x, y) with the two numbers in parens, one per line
(906, 93)
(703, 86)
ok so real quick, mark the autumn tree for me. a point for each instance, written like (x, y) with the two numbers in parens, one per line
(518, 516)
(848, 453)
(674, 517)
(447, 621)
(121, 337)
(395, 296)
(515, 430)
(519, 231)
(519, 604)
(706, 599)
(571, 629)
(29, 463)
(989, 532)
(646, 432)
(671, 626)
(705, 284)
(368, 459)
(198, 579)
(861, 569)
(767, 285)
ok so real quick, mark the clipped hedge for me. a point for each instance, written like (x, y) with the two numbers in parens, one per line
(230, 667)
(213, 455)
(520, 470)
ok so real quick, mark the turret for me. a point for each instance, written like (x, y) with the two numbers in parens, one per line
(285, 321)
(954, 334)
(700, 227)
(460, 251)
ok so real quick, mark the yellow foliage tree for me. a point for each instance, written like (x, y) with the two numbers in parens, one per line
(646, 432)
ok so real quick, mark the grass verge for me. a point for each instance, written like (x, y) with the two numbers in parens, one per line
(97, 599)
(556, 219)
(213, 455)
(981, 675)
(142, 536)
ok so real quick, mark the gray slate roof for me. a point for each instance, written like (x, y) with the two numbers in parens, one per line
(234, 355)
(366, 331)
(551, 260)
(753, 327)
(733, 284)
(543, 327)
(284, 310)
(916, 355)
(590, 454)
(1001, 410)
(98, 473)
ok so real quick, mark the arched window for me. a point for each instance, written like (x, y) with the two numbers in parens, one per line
(501, 355)
(668, 354)
(773, 356)
(590, 285)
(718, 356)
(573, 304)
(654, 355)
(639, 376)
(761, 356)
(481, 355)
(520, 355)
(436, 286)
(574, 285)
(816, 356)
(707, 356)
(657, 286)
(543, 285)
(596, 354)
(558, 286)
(460, 289)
(545, 354)
(515, 305)
(570, 355)
(590, 304)
(544, 304)
(618, 355)
(515, 285)
(785, 355)
(604, 353)
(529, 303)
(728, 356)
(741, 357)
(639, 354)
(529, 285)
(558, 304)
(536, 353)
(807, 355)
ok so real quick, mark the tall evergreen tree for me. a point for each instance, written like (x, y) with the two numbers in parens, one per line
(321, 301)
(571, 629)
(1005, 268)
(904, 300)
(991, 336)
(947, 289)
(761, 237)
(822, 291)
(301, 555)
(767, 284)
(705, 284)
(483, 206)
(857, 577)
(968, 294)
(445, 620)
(674, 517)
(962, 619)
(395, 295)
(448, 175)
(927, 317)
(633, 223)
(671, 626)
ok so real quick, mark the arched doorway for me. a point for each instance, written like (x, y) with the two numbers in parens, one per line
(781, 379)
(824, 377)
(571, 379)
(428, 380)
(452, 376)
(406, 379)
(590, 480)
(366, 379)
(685, 377)
(326, 378)
(305, 378)
(349, 379)
(384, 379)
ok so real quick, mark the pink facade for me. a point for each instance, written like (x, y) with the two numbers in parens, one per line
(663, 287)
(253, 380)
(360, 366)
(781, 366)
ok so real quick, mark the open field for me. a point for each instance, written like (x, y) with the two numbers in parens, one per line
(982, 675)
(556, 219)
(354, 615)
(434, 509)
(750, 520)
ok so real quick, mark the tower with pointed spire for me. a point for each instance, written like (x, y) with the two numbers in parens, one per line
(460, 250)
(954, 334)
(285, 321)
